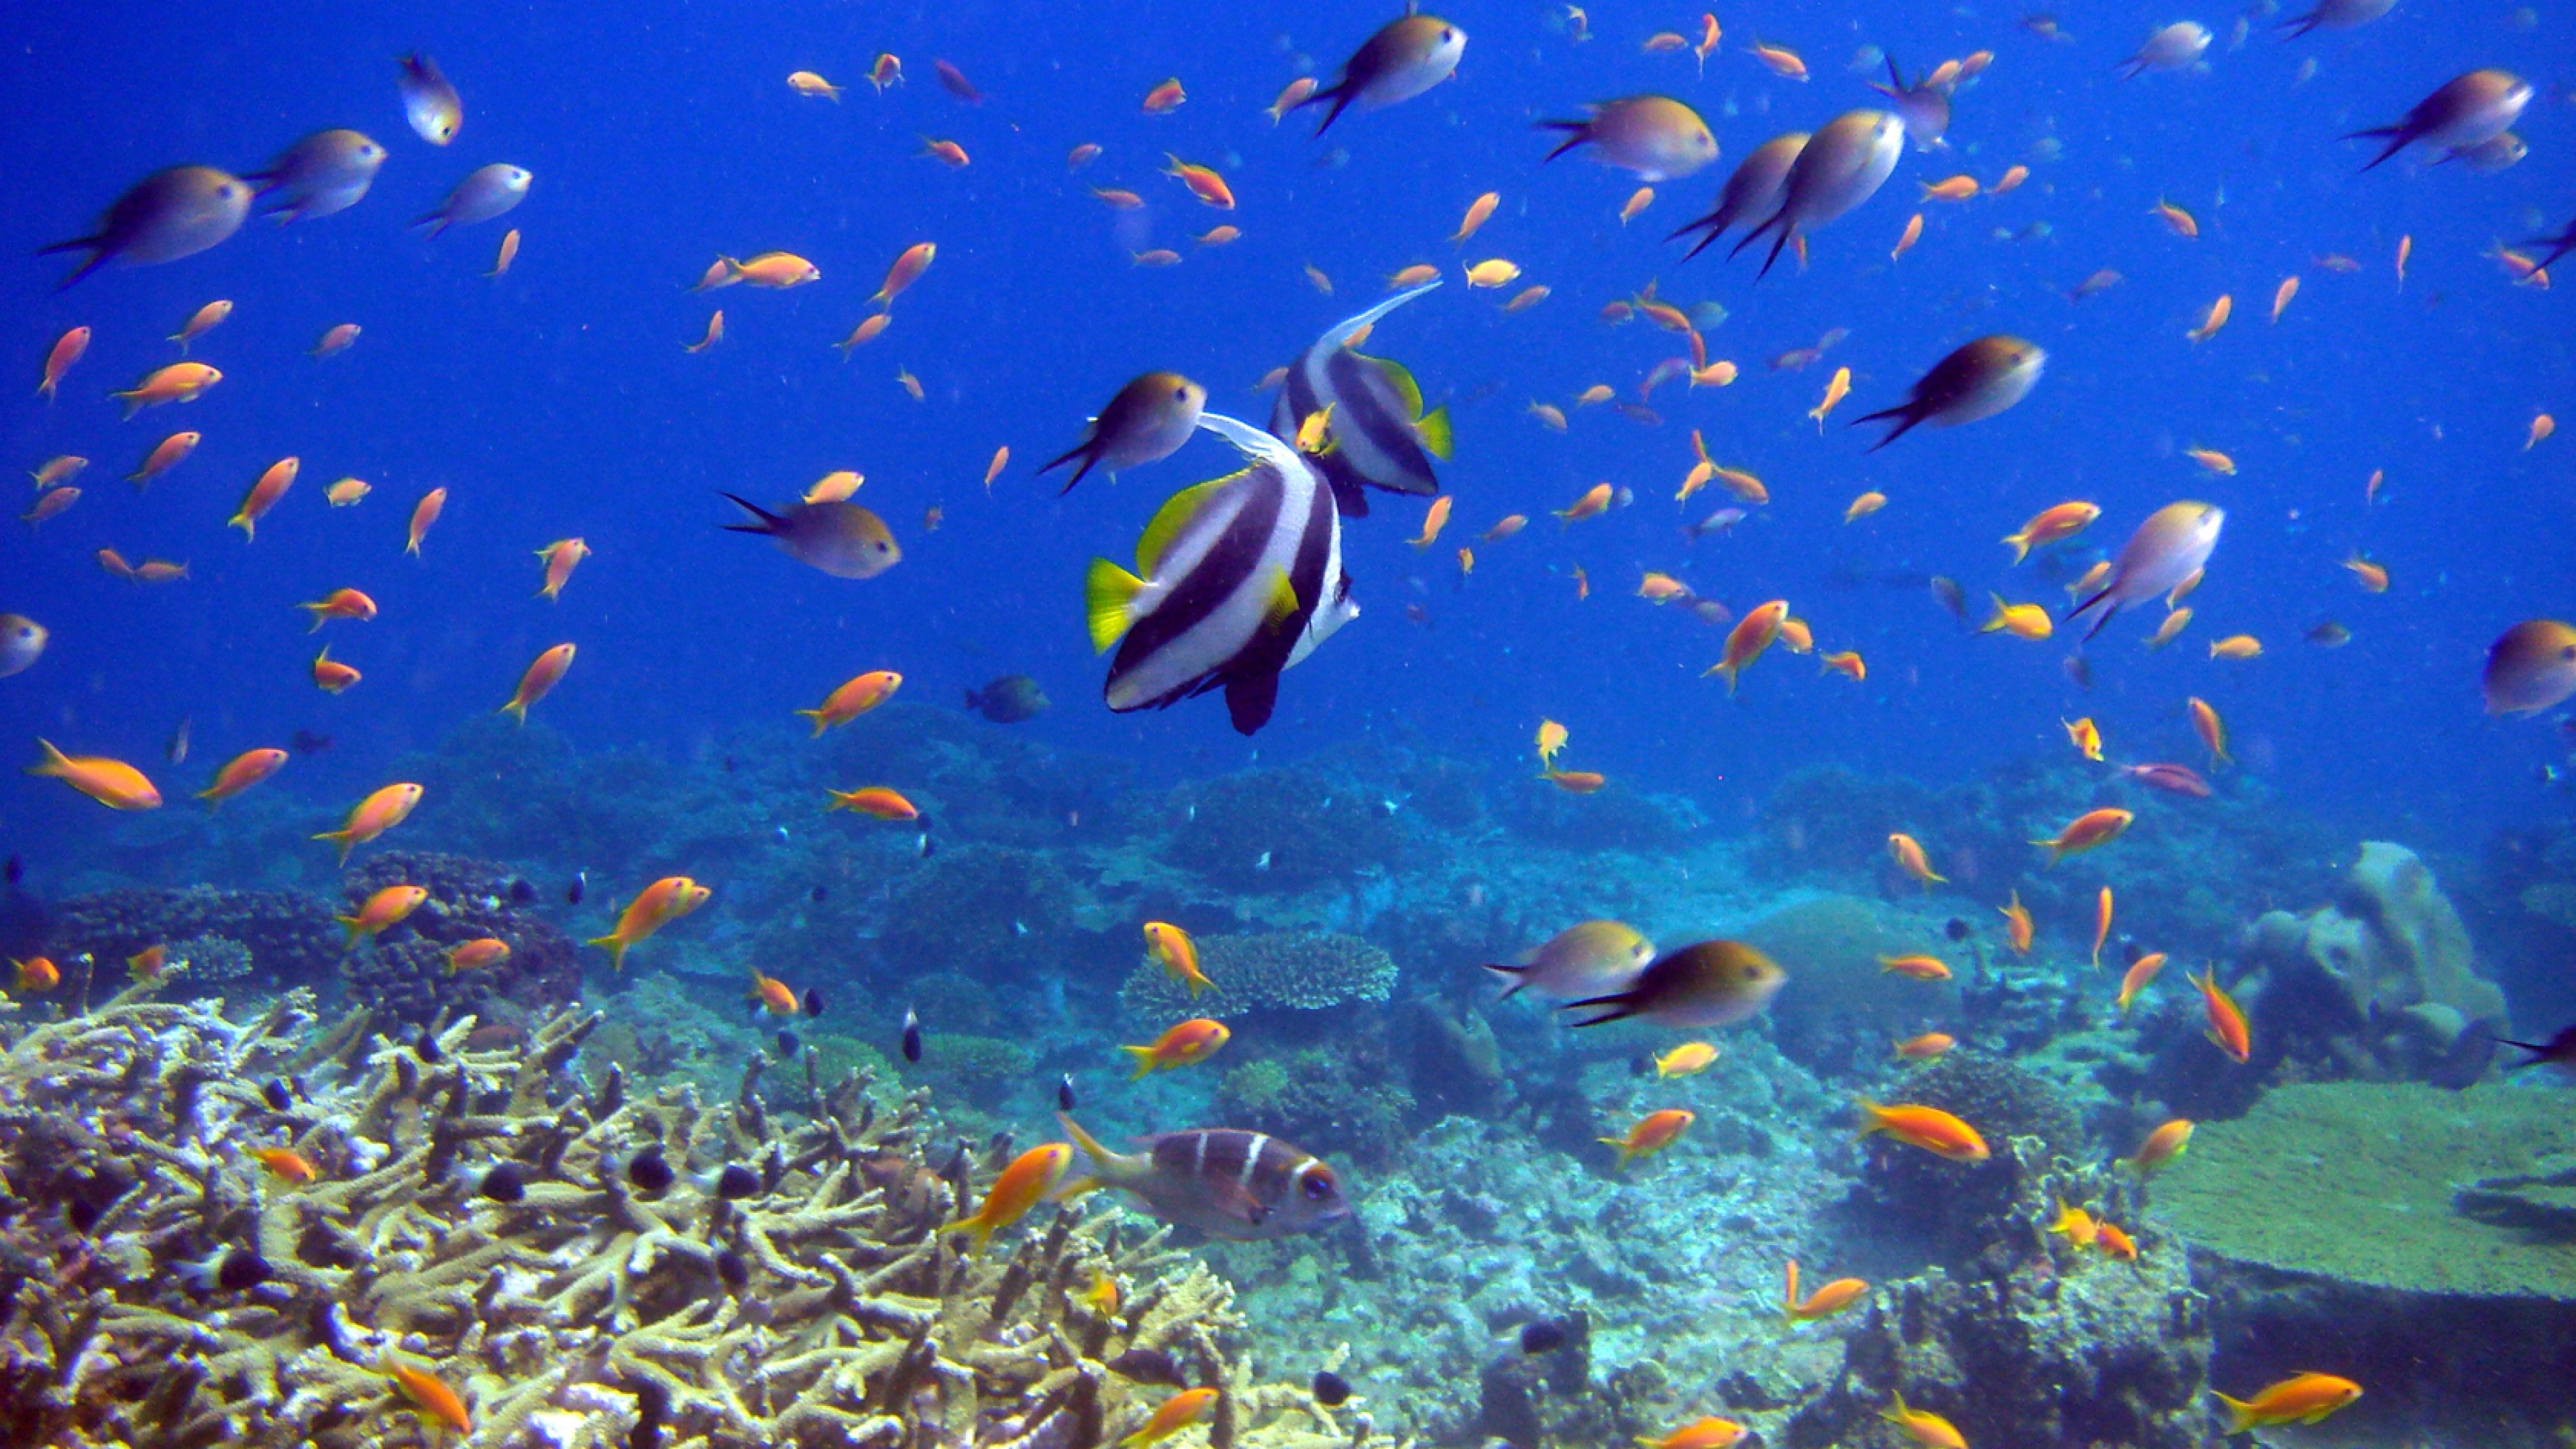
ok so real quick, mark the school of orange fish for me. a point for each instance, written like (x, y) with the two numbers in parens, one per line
(1785, 191)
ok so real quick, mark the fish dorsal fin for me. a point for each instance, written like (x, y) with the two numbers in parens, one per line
(1405, 387)
(1433, 430)
(1170, 519)
(1108, 593)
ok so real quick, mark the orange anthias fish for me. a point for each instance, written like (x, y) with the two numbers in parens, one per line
(67, 349)
(2088, 830)
(36, 975)
(1651, 1133)
(285, 1164)
(562, 556)
(1178, 955)
(2162, 1146)
(145, 966)
(1180, 1045)
(876, 801)
(1180, 1411)
(855, 697)
(657, 905)
(1745, 642)
(1433, 521)
(430, 1398)
(2051, 525)
(2075, 1225)
(2209, 727)
(2372, 577)
(340, 604)
(385, 908)
(774, 996)
(1915, 968)
(2305, 1399)
(1023, 1185)
(542, 675)
(1923, 1426)
(243, 771)
(2017, 924)
(1575, 782)
(1825, 1302)
(2101, 925)
(1164, 97)
(477, 954)
(330, 675)
(1909, 857)
(907, 269)
(375, 815)
(2236, 647)
(2227, 1028)
(264, 493)
(1931, 1046)
(2086, 737)
(1206, 185)
(2141, 973)
(2214, 319)
(423, 514)
(1687, 1060)
(1710, 1433)
(2114, 1242)
(2022, 621)
(112, 783)
(1592, 504)
(1928, 1128)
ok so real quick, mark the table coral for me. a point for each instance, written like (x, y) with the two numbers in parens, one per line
(820, 1307)
(1289, 971)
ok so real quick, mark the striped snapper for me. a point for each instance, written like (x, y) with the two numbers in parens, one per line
(1226, 1181)
(1236, 579)
(1380, 435)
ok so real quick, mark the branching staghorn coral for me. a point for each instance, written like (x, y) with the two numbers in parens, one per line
(159, 1285)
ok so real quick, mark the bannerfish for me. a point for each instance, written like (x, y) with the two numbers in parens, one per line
(842, 539)
(1226, 1181)
(1381, 438)
(1236, 580)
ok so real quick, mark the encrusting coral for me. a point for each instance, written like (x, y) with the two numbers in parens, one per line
(487, 1218)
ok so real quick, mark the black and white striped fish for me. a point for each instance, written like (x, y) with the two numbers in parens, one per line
(1379, 437)
(1236, 579)
(1248, 1186)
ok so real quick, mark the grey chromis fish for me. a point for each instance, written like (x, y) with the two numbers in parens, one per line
(1842, 165)
(1714, 983)
(1922, 106)
(488, 192)
(22, 642)
(1225, 1181)
(429, 102)
(840, 538)
(1402, 60)
(1379, 436)
(326, 172)
(1656, 137)
(1146, 422)
(2172, 545)
(1752, 193)
(2465, 112)
(165, 216)
(1585, 959)
(1976, 381)
(1236, 580)
(1008, 700)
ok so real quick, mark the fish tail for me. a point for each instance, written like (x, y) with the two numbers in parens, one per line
(1512, 974)
(1144, 1056)
(515, 709)
(354, 927)
(1580, 130)
(971, 1223)
(2020, 545)
(54, 763)
(243, 521)
(615, 945)
(1873, 1117)
(2240, 1414)
(1100, 1159)
(1109, 594)
(816, 716)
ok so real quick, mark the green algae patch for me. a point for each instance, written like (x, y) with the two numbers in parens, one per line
(2356, 1182)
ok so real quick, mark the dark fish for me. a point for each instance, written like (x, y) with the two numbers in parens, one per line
(306, 742)
(1956, 929)
(818, 894)
(2094, 285)
(2559, 246)
(732, 1271)
(649, 1170)
(840, 538)
(2559, 1050)
(2329, 635)
(1402, 60)
(165, 216)
(1064, 1093)
(652, 1411)
(229, 1271)
(523, 892)
(1008, 700)
(1148, 420)
(425, 1046)
(1241, 577)
(1951, 597)
(580, 884)
(1379, 436)
(911, 1036)
(1713, 983)
(922, 847)
(1543, 1335)
(786, 1043)
(2132, 950)
(504, 1183)
(734, 1182)
(2079, 670)
(15, 871)
(1752, 192)
(1331, 1389)
(813, 1001)
(1975, 382)
(1149, 1366)
(1246, 1186)
(953, 81)
(274, 1093)
(2466, 111)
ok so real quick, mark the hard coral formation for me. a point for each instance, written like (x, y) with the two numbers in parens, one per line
(1959, 1210)
(818, 1307)
(1324, 1101)
(1273, 972)
(404, 972)
(288, 938)
(1266, 831)
(2382, 985)
(985, 912)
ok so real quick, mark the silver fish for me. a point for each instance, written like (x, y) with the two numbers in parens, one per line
(165, 216)
(2173, 544)
(432, 106)
(326, 172)
(1840, 167)
(1402, 60)
(2178, 46)
(1754, 190)
(1975, 382)
(1147, 421)
(2467, 111)
(842, 539)
(490, 191)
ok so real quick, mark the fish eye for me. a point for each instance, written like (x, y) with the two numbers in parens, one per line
(1319, 1186)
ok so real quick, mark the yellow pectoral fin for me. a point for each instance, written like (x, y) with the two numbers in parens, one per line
(1108, 593)
(1283, 600)
(1434, 431)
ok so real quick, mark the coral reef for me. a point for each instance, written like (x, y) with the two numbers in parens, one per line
(1266, 831)
(1324, 1101)
(2382, 985)
(1959, 1211)
(2352, 1226)
(985, 912)
(403, 972)
(804, 1299)
(1274, 973)
(289, 937)
(1843, 1005)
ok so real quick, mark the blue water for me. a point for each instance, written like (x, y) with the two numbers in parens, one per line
(558, 401)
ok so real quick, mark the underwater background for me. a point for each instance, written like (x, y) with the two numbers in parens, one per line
(2383, 877)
